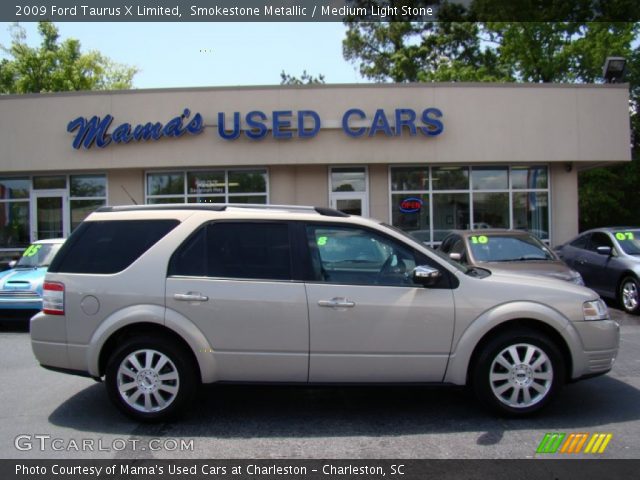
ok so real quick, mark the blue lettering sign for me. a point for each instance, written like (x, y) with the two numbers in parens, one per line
(315, 118)
(257, 128)
(95, 130)
(222, 131)
(380, 123)
(433, 126)
(353, 132)
(281, 125)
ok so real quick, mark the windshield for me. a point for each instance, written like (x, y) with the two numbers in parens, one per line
(508, 248)
(629, 241)
(38, 255)
(437, 253)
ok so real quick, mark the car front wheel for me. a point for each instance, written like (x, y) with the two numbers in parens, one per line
(518, 373)
(629, 296)
(150, 378)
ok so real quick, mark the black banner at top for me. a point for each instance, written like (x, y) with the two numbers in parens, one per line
(320, 10)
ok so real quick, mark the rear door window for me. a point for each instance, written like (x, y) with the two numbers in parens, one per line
(109, 246)
(250, 250)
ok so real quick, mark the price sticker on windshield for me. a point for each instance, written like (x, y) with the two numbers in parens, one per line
(624, 236)
(482, 239)
(32, 250)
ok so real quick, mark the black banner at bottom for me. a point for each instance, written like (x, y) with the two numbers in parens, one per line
(534, 469)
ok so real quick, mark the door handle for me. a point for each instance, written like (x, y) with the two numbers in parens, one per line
(190, 297)
(337, 302)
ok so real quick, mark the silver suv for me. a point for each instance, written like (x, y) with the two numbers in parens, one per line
(158, 299)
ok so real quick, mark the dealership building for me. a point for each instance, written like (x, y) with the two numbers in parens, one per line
(427, 158)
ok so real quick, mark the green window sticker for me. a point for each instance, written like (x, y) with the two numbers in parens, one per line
(624, 236)
(32, 250)
(322, 241)
(482, 239)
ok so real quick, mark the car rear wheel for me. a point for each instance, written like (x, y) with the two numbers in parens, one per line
(629, 295)
(150, 378)
(518, 372)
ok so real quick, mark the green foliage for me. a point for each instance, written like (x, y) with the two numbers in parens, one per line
(304, 79)
(57, 66)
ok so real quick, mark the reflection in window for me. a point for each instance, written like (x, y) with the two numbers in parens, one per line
(450, 212)
(489, 178)
(529, 177)
(348, 179)
(409, 178)
(208, 186)
(531, 213)
(450, 178)
(87, 193)
(490, 210)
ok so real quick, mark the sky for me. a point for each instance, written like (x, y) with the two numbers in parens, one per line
(212, 54)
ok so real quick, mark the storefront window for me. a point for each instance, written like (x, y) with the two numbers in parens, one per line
(531, 212)
(529, 177)
(490, 210)
(247, 181)
(83, 186)
(450, 212)
(87, 193)
(208, 186)
(14, 188)
(50, 182)
(410, 212)
(206, 183)
(410, 178)
(348, 179)
(14, 224)
(14, 212)
(462, 197)
(450, 178)
(490, 178)
(165, 183)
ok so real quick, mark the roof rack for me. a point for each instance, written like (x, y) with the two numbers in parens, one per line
(221, 207)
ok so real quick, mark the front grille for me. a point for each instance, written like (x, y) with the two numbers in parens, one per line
(18, 294)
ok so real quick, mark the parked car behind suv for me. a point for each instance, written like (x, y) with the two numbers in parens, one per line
(609, 260)
(21, 286)
(513, 250)
(157, 299)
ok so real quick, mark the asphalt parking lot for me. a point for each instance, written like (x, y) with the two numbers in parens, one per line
(49, 415)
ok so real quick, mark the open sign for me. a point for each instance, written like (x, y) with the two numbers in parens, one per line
(411, 205)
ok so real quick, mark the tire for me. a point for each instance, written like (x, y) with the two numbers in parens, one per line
(518, 386)
(629, 295)
(151, 378)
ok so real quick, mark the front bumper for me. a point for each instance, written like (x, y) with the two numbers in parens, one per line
(600, 342)
(20, 300)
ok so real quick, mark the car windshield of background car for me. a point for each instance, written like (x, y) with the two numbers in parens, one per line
(629, 241)
(38, 255)
(497, 248)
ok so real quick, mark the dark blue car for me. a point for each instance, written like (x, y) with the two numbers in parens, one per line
(21, 286)
(609, 261)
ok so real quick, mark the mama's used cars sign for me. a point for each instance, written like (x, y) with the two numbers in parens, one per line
(257, 125)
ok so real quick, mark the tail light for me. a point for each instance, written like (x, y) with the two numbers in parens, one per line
(53, 298)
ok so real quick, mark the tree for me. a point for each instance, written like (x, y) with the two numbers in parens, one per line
(304, 79)
(57, 66)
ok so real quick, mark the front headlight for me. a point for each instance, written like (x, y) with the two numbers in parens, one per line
(595, 310)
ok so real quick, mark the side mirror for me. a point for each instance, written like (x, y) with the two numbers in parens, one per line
(12, 263)
(425, 275)
(604, 251)
(455, 256)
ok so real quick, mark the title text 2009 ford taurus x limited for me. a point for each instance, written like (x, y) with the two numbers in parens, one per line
(157, 299)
